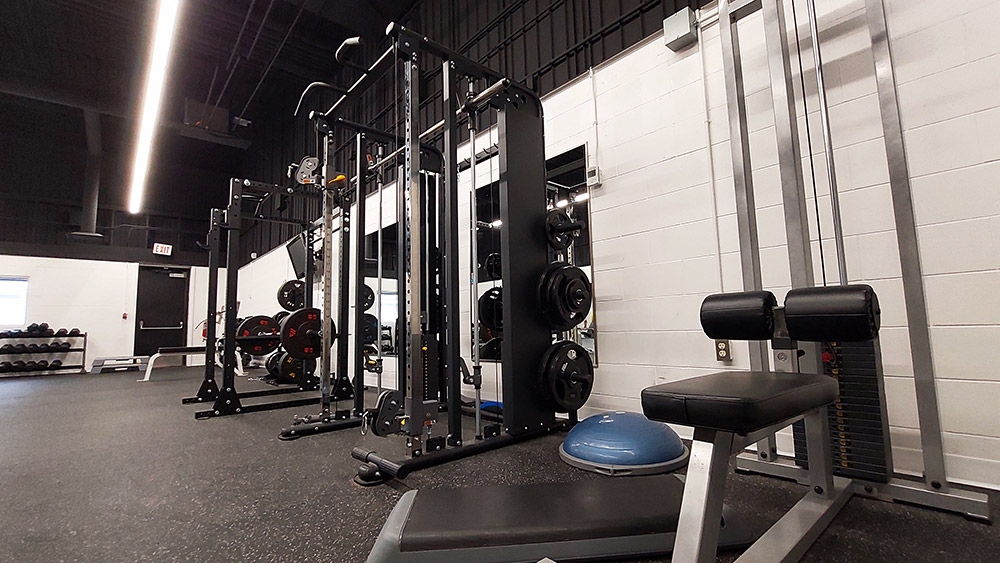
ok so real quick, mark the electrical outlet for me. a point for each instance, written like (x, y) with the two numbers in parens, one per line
(723, 351)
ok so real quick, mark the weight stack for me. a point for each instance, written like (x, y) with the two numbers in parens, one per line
(859, 426)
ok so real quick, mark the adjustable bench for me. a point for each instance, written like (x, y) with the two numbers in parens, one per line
(732, 409)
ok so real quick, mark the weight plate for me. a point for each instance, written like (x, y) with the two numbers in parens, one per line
(567, 375)
(367, 297)
(280, 315)
(370, 328)
(565, 296)
(301, 333)
(491, 309)
(257, 335)
(554, 220)
(292, 295)
(294, 370)
(492, 266)
(272, 365)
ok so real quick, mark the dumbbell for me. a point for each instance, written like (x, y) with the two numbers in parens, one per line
(55, 364)
(7, 349)
(43, 347)
(30, 365)
(65, 346)
(18, 365)
(20, 349)
(32, 328)
(6, 366)
(42, 365)
(33, 348)
(74, 332)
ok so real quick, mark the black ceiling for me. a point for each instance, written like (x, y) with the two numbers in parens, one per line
(91, 53)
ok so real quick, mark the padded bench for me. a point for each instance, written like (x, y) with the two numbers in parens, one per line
(740, 402)
(730, 410)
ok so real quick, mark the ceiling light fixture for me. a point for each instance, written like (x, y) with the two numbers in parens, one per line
(166, 20)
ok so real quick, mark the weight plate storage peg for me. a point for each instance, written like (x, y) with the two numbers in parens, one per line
(257, 335)
(565, 295)
(567, 375)
(292, 295)
(301, 334)
(560, 229)
(367, 297)
(491, 309)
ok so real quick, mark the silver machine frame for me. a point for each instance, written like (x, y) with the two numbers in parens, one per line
(794, 532)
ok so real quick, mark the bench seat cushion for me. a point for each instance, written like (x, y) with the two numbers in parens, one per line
(738, 401)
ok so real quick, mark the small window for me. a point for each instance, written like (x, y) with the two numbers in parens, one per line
(13, 301)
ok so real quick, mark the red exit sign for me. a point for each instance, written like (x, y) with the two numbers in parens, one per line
(162, 249)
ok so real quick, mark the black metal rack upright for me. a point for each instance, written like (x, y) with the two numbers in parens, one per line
(225, 233)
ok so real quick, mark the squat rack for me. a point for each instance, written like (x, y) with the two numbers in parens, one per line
(227, 400)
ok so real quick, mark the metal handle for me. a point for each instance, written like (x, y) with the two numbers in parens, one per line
(180, 327)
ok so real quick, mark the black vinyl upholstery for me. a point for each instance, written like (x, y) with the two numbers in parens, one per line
(847, 313)
(471, 517)
(738, 401)
(739, 316)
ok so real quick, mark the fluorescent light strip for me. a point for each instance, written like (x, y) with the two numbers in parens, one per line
(166, 20)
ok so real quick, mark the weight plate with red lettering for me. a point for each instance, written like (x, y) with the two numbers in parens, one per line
(301, 334)
(258, 335)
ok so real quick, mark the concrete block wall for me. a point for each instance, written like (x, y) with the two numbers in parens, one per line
(664, 222)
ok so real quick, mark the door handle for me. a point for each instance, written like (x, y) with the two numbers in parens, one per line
(180, 327)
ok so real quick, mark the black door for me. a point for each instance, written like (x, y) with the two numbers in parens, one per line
(161, 309)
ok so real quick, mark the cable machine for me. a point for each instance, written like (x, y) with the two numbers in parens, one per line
(431, 371)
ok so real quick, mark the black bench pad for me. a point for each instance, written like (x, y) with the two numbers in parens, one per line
(738, 401)
(180, 349)
(489, 516)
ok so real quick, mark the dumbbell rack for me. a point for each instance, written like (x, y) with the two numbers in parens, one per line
(65, 369)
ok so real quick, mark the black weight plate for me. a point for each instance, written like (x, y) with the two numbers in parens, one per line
(280, 315)
(491, 309)
(257, 335)
(565, 296)
(272, 364)
(292, 295)
(553, 220)
(294, 370)
(370, 328)
(367, 297)
(491, 349)
(567, 375)
(301, 334)
(492, 266)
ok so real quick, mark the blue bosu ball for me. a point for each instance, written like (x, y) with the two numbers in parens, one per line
(623, 443)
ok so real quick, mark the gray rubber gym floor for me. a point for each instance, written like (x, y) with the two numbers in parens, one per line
(102, 468)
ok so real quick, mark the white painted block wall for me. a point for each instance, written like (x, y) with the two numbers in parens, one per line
(93, 295)
(664, 222)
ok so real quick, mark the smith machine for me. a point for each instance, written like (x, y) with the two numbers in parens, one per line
(430, 368)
